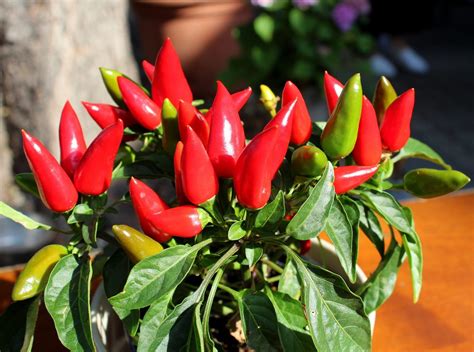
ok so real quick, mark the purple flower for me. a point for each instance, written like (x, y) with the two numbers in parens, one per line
(362, 6)
(344, 16)
(304, 4)
(262, 3)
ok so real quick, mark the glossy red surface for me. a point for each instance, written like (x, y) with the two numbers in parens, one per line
(182, 221)
(302, 125)
(368, 148)
(350, 177)
(105, 115)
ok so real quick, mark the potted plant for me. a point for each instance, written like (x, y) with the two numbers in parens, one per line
(220, 266)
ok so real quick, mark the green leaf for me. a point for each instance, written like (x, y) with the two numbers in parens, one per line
(115, 275)
(340, 231)
(311, 218)
(155, 276)
(259, 321)
(384, 204)
(292, 322)
(67, 297)
(379, 287)
(17, 326)
(289, 282)
(416, 149)
(336, 316)
(80, 213)
(27, 182)
(236, 232)
(264, 26)
(370, 225)
(272, 213)
(253, 253)
(153, 318)
(22, 219)
(412, 245)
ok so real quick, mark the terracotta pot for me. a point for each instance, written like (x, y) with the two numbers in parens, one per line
(201, 32)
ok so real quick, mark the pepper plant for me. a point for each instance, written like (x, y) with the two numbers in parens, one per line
(228, 250)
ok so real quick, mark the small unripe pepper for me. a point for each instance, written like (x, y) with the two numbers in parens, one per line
(135, 244)
(430, 183)
(184, 221)
(227, 137)
(146, 202)
(94, 173)
(169, 119)
(384, 95)
(395, 128)
(178, 181)
(340, 133)
(347, 178)
(188, 115)
(200, 182)
(144, 110)
(32, 280)
(241, 97)
(71, 140)
(255, 170)
(54, 185)
(149, 70)
(308, 161)
(302, 125)
(268, 99)
(368, 148)
(105, 115)
(169, 80)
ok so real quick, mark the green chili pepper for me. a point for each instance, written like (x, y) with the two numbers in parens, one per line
(109, 76)
(430, 183)
(33, 278)
(340, 133)
(169, 119)
(384, 95)
(136, 245)
(308, 161)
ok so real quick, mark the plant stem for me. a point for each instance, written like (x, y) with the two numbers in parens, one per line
(274, 279)
(227, 289)
(210, 300)
(273, 265)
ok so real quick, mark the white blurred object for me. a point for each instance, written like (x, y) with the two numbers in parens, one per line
(382, 66)
(410, 60)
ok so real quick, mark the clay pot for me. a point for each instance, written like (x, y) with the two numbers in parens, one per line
(201, 31)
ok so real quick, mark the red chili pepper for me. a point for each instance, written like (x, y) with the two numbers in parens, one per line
(146, 202)
(94, 173)
(54, 185)
(368, 147)
(184, 221)
(188, 115)
(71, 140)
(302, 126)
(169, 80)
(305, 246)
(200, 182)
(284, 119)
(143, 109)
(255, 169)
(105, 115)
(350, 177)
(227, 137)
(241, 97)
(395, 128)
(178, 182)
(332, 90)
(149, 70)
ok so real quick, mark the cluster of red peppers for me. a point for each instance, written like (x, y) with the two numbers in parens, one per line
(208, 146)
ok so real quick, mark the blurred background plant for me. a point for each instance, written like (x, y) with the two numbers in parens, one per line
(299, 39)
